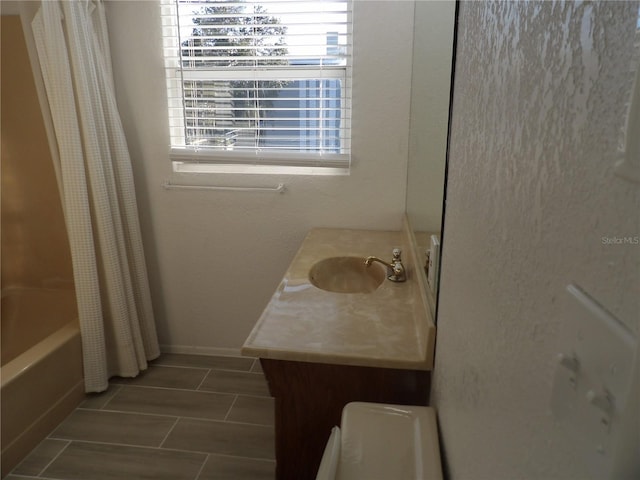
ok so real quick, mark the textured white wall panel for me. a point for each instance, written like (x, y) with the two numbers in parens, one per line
(539, 98)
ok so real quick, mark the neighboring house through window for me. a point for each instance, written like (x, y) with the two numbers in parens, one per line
(259, 82)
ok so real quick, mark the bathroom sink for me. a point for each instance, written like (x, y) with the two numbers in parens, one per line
(346, 275)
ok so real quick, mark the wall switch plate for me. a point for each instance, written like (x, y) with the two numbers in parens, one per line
(434, 264)
(593, 381)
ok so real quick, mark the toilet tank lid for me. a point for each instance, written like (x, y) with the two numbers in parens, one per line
(389, 441)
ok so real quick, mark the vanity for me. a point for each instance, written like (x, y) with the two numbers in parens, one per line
(322, 349)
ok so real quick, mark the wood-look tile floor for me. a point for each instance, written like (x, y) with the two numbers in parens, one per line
(188, 417)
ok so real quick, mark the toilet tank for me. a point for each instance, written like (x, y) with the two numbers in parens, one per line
(381, 442)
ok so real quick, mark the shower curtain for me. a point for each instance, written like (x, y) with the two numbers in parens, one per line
(114, 303)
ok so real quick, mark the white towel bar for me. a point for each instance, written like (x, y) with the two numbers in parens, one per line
(277, 189)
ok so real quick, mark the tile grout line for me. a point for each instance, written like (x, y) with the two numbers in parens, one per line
(169, 415)
(230, 408)
(164, 449)
(208, 367)
(169, 433)
(209, 420)
(115, 392)
(127, 445)
(206, 459)
(212, 392)
(31, 477)
(176, 366)
(54, 458)
(137, 412)
(203, 379)
(241, 370)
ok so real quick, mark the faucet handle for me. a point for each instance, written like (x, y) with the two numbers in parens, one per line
(399, 274)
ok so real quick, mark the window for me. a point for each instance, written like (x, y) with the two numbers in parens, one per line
(263, 82)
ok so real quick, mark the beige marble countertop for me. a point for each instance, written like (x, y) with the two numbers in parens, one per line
(387, 328)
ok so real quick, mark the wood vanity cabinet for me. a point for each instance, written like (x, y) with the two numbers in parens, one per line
(309, 398)
(322, 349)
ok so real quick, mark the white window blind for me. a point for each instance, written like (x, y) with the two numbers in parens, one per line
(265, 82)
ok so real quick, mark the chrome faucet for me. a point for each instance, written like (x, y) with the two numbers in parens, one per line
(395, 269)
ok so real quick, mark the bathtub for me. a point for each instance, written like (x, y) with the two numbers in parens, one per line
(41, 372)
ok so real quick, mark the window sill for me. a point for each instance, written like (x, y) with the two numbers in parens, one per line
(188, 167)
(193, 160)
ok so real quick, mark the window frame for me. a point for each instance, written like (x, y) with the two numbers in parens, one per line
(193, 158)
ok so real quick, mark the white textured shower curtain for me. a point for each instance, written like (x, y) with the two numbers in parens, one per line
(114, 304)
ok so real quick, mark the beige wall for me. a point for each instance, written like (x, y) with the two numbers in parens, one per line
(215, 258)
(35, 249)
(539, 102)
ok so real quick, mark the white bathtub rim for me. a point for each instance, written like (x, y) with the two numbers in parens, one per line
(26, 360)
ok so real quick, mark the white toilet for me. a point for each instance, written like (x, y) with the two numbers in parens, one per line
(379, 441)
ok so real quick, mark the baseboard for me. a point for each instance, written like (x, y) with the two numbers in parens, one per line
(192, 350)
